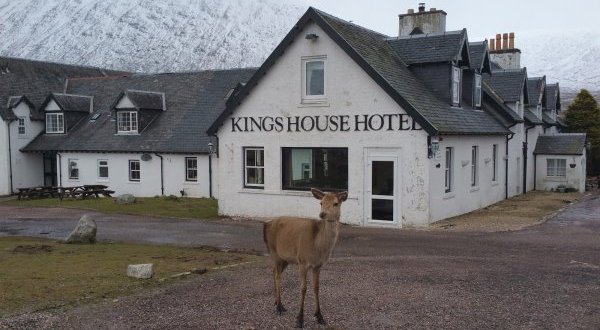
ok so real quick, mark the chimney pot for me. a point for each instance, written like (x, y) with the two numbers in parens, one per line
(511, 40)
(421, 7)
(410, 11)
(498, 41)
(505, 41)
(432, 9)
(492, 44)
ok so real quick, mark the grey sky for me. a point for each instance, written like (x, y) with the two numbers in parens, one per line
(482, 18)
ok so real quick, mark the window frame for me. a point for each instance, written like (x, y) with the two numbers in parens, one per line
(73, 164)
(326, 168)
(556, 167)
(477, 91)
(60, 123)
(99, 166)
(456, 79)
(21, 125)
(138, 170)
(188, 168)
(246, 167)
(448, 170)
(474, 166)
(494, 163)
(316, 98)
(130, 129)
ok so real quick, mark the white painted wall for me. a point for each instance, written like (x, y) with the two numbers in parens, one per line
(575, 177)
(465, 198)
(350, 91)
(4, 171)
(149, 185)
(27, 168)
(515, 152)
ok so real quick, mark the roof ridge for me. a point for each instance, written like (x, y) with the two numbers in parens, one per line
(72, 95)
(55, 63)
(432, 34)
(320, 12)
(143, 91)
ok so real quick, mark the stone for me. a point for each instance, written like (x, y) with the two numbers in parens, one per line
(199, 271)
(143, 271)
(125, 199)
(84, 232)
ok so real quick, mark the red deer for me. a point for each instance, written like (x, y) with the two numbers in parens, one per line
(307, 243)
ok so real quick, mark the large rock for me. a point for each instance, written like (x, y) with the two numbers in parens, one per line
(84, 232)
(143, 271)
(125, 199)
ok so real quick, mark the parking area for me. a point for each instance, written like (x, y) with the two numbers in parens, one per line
(546, 276)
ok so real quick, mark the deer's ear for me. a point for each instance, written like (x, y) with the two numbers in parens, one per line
(317, 193)
(342, 196)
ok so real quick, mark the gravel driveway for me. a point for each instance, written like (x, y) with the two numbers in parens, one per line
(545, 277)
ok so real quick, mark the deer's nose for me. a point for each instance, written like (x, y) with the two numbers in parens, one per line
(322, 215)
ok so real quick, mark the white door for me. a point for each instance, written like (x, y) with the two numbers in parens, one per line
(381, 188)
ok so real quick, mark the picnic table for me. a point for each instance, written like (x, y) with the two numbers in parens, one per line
(82, 192)
(38, 192)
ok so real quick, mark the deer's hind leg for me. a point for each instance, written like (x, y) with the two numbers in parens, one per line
(278, 268)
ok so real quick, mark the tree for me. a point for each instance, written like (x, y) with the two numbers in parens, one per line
(583, 116)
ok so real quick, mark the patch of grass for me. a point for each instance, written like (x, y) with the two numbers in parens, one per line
(177, 207)
(38, 274)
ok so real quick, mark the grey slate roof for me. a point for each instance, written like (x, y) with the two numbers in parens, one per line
(547, 119)
(509, 84)
(144, 99)
(560, 144)
(531, 118)
(535, 89)
(430, 48)
(193, 101)
(35, 79)
(70, 102)
(509, 115)
(374, 54)
(480, 59)
(553, 97)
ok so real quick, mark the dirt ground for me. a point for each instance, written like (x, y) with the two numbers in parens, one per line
(512, 214)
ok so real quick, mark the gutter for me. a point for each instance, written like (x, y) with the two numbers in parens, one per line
(162, 182)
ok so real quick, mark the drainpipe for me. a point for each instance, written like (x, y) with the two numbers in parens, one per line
(508, 138)
(534, 171)
(10, 173)
(210, 194)
(525, 147)
(59, 169)
(162, 182)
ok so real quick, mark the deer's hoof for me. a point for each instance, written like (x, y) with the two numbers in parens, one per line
(280, 309)
(300, 322)
(320, 318)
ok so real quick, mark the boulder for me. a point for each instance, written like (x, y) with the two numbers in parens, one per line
(84, 232)
(125, 199)
(143, 271)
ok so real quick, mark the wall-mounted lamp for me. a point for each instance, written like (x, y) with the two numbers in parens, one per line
(211, 149)
(433, 146)
(487, 160)
(311, 36)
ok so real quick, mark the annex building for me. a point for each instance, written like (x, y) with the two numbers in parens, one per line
(416, 127)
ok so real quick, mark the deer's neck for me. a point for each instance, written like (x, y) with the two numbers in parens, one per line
(327, 236)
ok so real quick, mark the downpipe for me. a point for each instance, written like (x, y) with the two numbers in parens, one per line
(162, 182)
(10, 172)
(525, 148)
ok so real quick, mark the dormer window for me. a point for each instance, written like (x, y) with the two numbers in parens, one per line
(477, 91)
(127, 122)
(456, 77)
(55, 123)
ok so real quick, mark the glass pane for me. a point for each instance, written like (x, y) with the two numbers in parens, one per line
(323, 168)
(260, 157)
(315, 78)
(383, 178)
(382, 209)
(103, 172)
(250, 157)
(254, 176)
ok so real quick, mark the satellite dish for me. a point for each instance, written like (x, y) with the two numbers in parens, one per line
(146, 157)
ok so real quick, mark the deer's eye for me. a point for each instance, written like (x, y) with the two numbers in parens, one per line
(335, 204)
(321, 203)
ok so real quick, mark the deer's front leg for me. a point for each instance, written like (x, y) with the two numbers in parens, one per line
(318, 315)
(300, 318)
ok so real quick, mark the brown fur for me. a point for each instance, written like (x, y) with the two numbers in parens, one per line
(305, 242)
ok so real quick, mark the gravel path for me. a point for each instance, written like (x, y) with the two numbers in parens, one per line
(545, 277)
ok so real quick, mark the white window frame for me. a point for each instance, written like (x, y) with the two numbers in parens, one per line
(308, 98)
(556, 167)
(495, 163)
(477, 91)
(60, 123)
(448, 170)
(73, 165)
(456, 82)
(246, 166)
(189, 168)
(474, 166)
(100, 177)
(21, 130)
(132, 125)
(132, 170)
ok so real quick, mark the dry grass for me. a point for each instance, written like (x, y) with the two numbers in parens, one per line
(512, 214)
(39, 274)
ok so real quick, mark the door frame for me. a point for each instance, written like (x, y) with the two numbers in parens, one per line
(381, 154)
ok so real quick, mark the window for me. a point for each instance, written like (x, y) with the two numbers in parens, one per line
(474, 156)
(73, 169)
(21, 125)
(102, 169)
(55, 123)
(448, 170)
(191, 169)
(313, 75)
(556, 167)
(456, 86)
(495, 162)
(127, 122)
(134, 170)
(323, 168)
(477, 91)
(254, 167)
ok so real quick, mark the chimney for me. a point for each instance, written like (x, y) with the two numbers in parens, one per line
(431, 21)
(492, 44)
(504, 53)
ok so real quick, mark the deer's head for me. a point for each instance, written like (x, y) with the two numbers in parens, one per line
(330, 204)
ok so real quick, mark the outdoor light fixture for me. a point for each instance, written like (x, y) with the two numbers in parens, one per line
(311, 36)
(433, 143)
(211, 148)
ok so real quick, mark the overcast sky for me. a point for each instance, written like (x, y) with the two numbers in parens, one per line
(482, 18)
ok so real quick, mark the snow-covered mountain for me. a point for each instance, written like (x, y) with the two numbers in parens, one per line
(184, 35)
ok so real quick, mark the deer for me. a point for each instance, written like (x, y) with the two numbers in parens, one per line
(307, 243)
